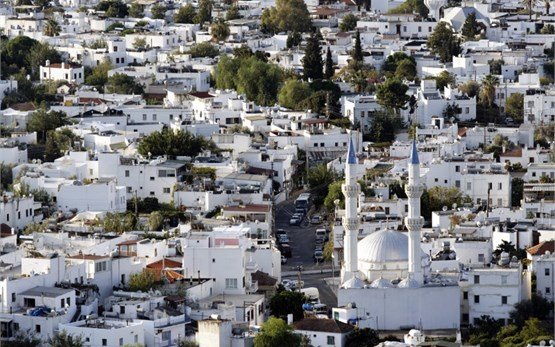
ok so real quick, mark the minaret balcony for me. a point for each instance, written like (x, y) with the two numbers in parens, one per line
(414, 191)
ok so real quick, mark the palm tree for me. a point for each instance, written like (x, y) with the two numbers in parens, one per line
(487, 94)
(52, 28)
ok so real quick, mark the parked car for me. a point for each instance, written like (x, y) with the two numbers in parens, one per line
(296, 219)
(283, 239)
(280, 232)
(318, 256)
(285, 250)
(321, 234)
(316, 219)
(283, 260)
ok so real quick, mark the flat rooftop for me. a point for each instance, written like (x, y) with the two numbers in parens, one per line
(49, 292)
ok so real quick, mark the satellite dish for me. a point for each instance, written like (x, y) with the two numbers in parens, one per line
(454, 205)
(444, 208)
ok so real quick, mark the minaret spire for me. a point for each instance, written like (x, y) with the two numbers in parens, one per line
(351, 190)
(414, 221)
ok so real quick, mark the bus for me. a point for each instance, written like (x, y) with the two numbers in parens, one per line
(303, 201)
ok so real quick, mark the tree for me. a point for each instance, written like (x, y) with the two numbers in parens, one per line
(120, 83)
(392, 94)
(113, 8)
(445, 79)
(292, 93)
(334, 193)
(232, 13)
(285, 302)
(119, 223)
(470, 88)
(329, 70)
(495, 66)
(514, 107)
(52, 28)
(356, 53)
(287, 15)
(158, 11)
(172, 143)
(42, 121)
(63, 339)
(136, 10)
(52, 150)
(276, 333)
(363, 338)
(487, 95)
(43, 4)
(531, 333)
(155, 221)
(312, 60)
(139, 43)
(470, 28)
(411, 6)
(259, 81)
(406, 70)
(444, 43)
(185, 14)
(204, 13)
(537, 307)
(25, 339)
(319, 179)
(392, 62)
(548, 29)
(142, 281)
(203, 49)
(435, 198)
(383, 127)
(99, 76)
(294, 38)
(348, 23)
(219, 30)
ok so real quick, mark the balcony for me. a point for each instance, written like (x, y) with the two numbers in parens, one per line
(252, 287)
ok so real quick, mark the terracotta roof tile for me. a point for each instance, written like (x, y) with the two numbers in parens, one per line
(542, 247)
(323, 325)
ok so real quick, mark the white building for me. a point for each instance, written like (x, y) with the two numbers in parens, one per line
(69, 72)
(101, 195)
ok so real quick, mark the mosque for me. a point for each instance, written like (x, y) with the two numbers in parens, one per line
(386, 275)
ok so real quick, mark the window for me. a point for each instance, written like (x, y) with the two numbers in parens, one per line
(154, 117)
(152, 194)
(13, 297)
(476, 299)
(457, 168)
(231, 283)
(499, 186)
(115, 48)
(104, 342)
(29, 302)
(166, 335)
(122, 309)
(467, 110)
(547, 290)
(477, 279)
(68, 300)
(166, 190)
(144, 116)
(126, 173)
(37, 328)
(121, 341)
(468, 185)
(465, 317)
(457, 183)
(136, 339)
(504, 300)
(481, 257)
(62, 303)
(152, 178)
(490, 186)
(465, 295)
(331, 340)
(546, 271)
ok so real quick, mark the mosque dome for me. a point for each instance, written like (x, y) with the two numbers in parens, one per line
(384, 246)
(353, 283)
(408, 283)
(381, 283)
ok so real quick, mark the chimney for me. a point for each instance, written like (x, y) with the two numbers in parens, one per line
(63, 65)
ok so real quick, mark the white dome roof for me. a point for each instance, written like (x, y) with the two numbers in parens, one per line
(384, 246)
(354, 282)
(381, 283)
(408, 283)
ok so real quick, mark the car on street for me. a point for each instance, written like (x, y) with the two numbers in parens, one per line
(316, 219)
(283, 239)
(318, 256)
(280, 232)
(296, 219)
(285, 250)
(322, 234)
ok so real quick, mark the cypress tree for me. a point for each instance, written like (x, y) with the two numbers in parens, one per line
(328, 73)
(357, 51)
(312, 60)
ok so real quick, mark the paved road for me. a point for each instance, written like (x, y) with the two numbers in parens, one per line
(327, 294)
(302, 240)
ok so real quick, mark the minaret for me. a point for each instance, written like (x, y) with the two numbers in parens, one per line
(414, 221)
(351, 190)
